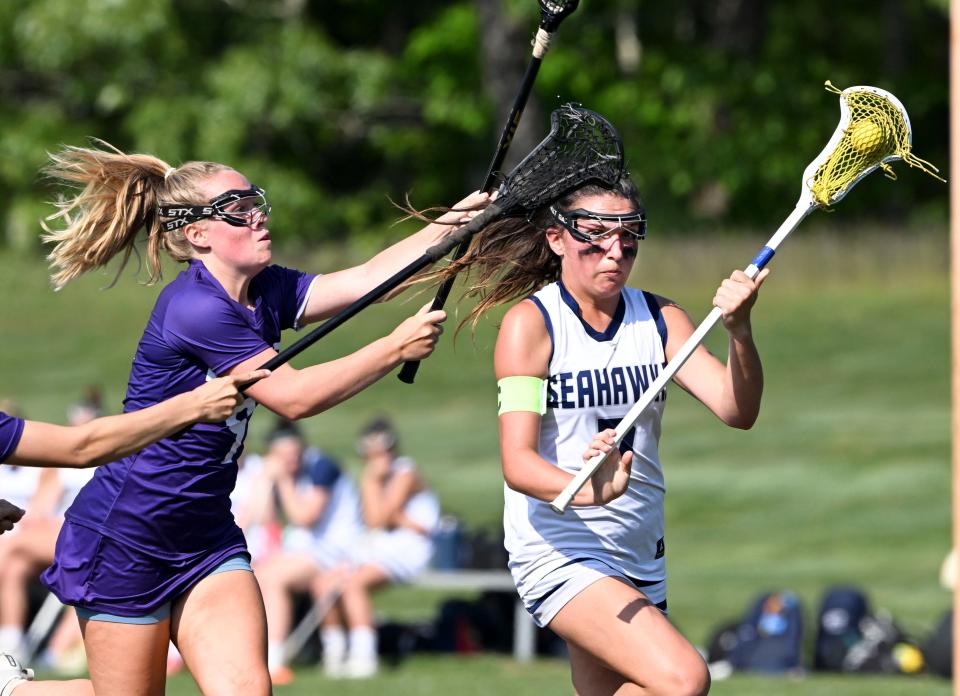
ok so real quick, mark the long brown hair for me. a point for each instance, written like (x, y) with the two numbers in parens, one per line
(510, 258)
(118, 196)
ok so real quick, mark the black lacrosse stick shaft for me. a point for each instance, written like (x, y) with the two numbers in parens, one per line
(432, 255)
(516, 112)
(551, 15)
(409, 370)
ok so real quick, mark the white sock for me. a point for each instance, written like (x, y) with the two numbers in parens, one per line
(334, 642)
(10, 638)
(363, 643)
(275, 656)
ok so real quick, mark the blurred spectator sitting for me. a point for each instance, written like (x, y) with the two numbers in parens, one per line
(27, 552)
(322, 512)
(401, 515)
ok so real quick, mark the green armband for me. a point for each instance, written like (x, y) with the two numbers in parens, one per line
(521, 394)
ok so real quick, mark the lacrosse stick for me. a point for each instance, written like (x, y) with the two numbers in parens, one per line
(551, 14)
(311, 621)
(582, 147)
(874, 130)
(41, 626)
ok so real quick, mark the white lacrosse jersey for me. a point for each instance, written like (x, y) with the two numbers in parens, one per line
(594, 379)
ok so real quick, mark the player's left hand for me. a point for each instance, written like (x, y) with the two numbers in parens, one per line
(736, 296)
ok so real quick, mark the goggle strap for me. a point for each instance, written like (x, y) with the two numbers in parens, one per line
(171, 225)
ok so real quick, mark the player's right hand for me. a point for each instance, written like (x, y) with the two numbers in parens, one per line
(417, 336)
(613, 477)
(220, 397)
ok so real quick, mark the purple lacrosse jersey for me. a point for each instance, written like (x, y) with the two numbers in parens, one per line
(11, 428)
(148, 527)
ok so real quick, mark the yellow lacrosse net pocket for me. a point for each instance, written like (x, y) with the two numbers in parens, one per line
(876, 132)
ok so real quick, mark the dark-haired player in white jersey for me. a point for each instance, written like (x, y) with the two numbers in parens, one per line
(570, 360)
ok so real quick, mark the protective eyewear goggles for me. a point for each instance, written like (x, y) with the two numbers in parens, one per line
(237, 207)
(589, 227)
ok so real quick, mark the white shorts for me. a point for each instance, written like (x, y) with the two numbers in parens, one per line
(401, 553)
(544, 599)
(327, 552)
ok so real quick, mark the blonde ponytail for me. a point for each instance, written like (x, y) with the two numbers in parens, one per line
(118, 196)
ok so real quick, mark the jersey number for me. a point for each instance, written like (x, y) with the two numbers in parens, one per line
(626, 444)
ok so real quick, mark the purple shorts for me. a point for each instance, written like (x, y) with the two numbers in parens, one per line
(102, 575)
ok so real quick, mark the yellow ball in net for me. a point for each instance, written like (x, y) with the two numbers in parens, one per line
(866, 137)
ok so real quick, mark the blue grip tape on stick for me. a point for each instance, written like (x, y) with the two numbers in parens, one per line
(763, 257)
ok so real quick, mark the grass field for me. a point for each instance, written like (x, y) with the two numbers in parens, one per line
(483, 675)
(844, 479)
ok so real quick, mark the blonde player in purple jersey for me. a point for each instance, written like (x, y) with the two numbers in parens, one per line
(33, 443)
(149, 551)
(570, 360)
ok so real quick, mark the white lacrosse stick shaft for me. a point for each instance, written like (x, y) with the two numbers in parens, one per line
(804, 207)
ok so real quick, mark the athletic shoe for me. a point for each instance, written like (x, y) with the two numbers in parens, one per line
(334, 670)
(360, 667)
(334, 666)
(12, 673)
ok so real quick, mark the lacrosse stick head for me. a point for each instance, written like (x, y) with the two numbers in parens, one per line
(552, 12)
(581, 148)
(874, 130)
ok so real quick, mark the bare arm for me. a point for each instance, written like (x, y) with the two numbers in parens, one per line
(523, 348)
(113, 437)
(294, 393)
(371, 495)
(335, 291)
(732, 391)
(377, 508)
(301, 508)
(401, 487)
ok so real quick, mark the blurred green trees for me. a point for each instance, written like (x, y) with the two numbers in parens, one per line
(335, 105)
